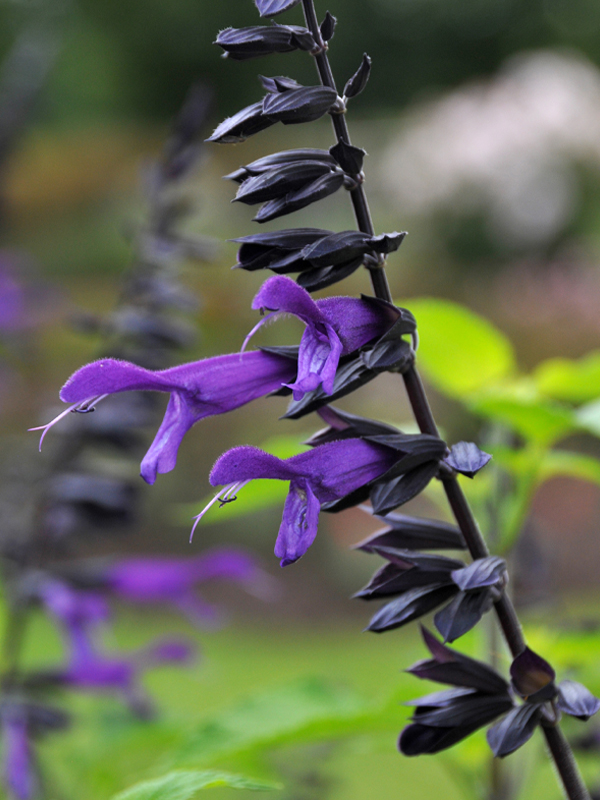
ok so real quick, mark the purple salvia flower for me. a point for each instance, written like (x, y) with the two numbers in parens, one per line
(70, 607)
(172, 580)
(13, 313)
(89, 669)
(18, 772)
(79, 612)
(335, 326)
(318, 476)
(198, 389)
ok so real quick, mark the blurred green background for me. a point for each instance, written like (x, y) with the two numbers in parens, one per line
(482, 124)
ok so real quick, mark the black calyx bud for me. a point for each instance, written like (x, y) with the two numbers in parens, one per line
(359, 80)
(328, 27)
(467, 458)
(270, 8)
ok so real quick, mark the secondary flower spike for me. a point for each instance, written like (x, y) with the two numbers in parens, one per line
(322, 475)
(173, 580)
(198, 389)
(335, 327)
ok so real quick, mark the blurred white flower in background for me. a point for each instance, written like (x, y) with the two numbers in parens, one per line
(508, 147)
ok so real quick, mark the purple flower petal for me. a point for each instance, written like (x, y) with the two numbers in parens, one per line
(18, 771)
(321, 475)
(318, 359)
(336, 326)
(70, 607)
(299, 523)
(247, 463)
(198, 389)
(280, 293)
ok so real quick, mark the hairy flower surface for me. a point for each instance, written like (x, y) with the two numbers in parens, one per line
(198, 389)
(322, 475)
(335, 327)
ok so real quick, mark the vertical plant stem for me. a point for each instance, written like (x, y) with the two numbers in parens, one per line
(565, 763)
(509, 622)
(14, 633)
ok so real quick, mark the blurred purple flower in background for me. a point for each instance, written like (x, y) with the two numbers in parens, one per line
(79, 615)
(18, 770)
(172, 580)
(12, 301)
(87, 668)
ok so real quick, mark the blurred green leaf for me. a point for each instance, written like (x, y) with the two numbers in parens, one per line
(459, 352)
(536, 419)
(258, 495)
(574, 465)
(588, 417)
(576, 381)
(306, 711)
(183, 785)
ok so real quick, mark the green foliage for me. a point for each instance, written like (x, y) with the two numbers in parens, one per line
(465, 357)
(304, 712)
(309, 710)
(184, 784)
(573, 380)
(588, 417)
(533, 418)
(460, 352)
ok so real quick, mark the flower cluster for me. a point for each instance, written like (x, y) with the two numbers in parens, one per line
(347, 342)
(76, 501)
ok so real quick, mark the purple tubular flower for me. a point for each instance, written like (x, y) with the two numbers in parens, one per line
(73, 608)
(199, 389)
(335, 327)
(318, 476)
(18, 771)
(89, 669)
(172, 580)
(78, 613)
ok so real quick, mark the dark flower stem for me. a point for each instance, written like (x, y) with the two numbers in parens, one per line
(565, 763)
(509, 622)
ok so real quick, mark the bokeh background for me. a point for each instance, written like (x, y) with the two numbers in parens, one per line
(482, 124)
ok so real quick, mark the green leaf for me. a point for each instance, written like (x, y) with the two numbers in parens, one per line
(307, 710)
(257, 496)
(536, 419)
(573, 465)
(183, 785)
(588, 417)
(576, 381)
(460, 352)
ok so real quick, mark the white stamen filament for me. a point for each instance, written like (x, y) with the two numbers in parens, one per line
(83, 407)
(223, 497)
(257, 327)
